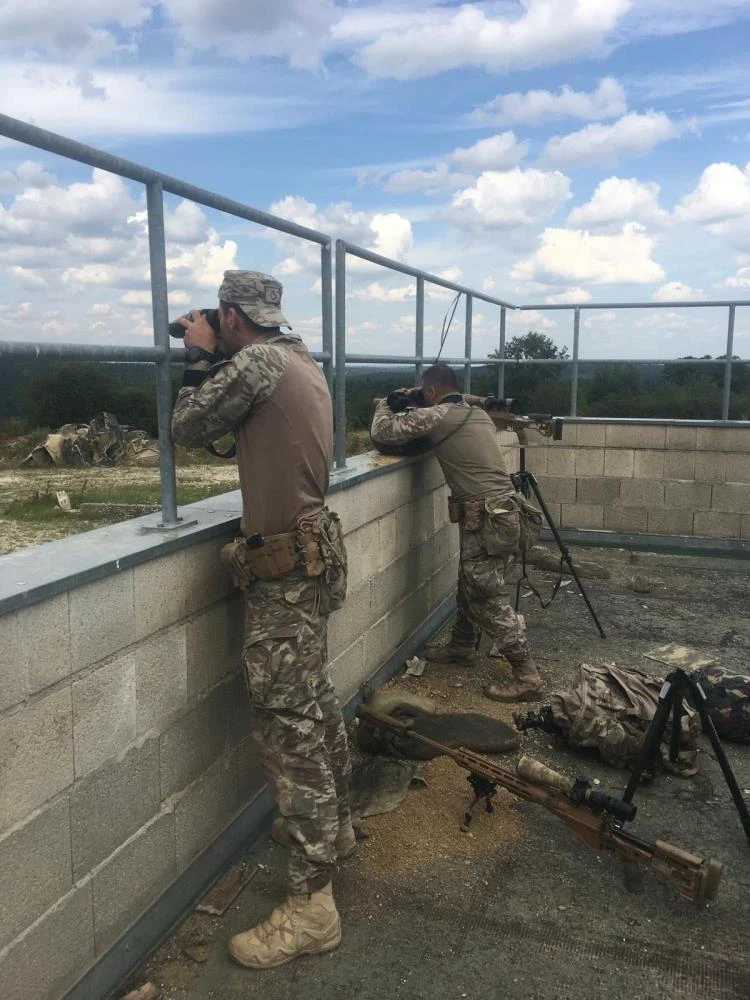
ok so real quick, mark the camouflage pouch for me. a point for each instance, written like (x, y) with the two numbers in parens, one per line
(234, 560)
(333, 552)
(501, 527)
(309, 545)
(471, 514)
(275, 557)
(531, 521)
(454, 510)
(728, 702)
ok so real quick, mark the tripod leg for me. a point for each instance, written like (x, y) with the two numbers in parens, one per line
(529, 478)
(652, 741)
(674, 743)
(699, 700)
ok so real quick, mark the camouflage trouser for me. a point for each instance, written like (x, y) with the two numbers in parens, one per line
(483, 601)
(297, 724)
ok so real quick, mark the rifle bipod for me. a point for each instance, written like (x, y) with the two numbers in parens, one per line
(484, 791)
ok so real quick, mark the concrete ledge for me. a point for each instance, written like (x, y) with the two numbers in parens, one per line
(668, 544)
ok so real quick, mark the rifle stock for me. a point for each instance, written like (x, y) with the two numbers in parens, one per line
(593, 817)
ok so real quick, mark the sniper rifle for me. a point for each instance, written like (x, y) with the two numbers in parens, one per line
(594, 817)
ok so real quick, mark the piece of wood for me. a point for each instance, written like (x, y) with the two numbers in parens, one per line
(224, 892)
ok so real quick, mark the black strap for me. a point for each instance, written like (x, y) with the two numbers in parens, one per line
(229, 453)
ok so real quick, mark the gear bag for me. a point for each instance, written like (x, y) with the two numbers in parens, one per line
(728, 702)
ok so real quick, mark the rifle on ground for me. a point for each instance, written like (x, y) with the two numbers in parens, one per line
(595, 818)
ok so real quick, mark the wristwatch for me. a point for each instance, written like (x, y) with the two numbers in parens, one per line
(193, 355)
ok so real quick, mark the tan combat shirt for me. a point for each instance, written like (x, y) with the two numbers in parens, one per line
(274, 398)
(464, 439)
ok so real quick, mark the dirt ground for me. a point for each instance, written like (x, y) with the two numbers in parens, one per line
(519, 908)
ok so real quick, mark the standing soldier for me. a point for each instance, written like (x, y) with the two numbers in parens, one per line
(465, 443)
(291, 564)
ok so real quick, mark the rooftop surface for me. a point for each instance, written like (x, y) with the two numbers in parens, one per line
(520, 908)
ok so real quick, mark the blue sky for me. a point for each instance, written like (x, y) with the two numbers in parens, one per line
(544, 151)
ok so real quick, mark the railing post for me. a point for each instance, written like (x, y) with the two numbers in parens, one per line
(501, 366)
(160, 311)
(339, 409)
(419, 338)
(728, 366)
(574, 374)
(326, 311)
(467, 343)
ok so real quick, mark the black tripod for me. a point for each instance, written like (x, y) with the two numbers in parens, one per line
(679, 685)
(525, 482)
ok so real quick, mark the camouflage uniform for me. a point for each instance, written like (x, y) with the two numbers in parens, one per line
(272, 395)
(465, 444)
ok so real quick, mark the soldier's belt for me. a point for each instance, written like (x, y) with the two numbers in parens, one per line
(468, 513)
(269, 557)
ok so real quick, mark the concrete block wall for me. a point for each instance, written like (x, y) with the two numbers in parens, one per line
(124, 732)
(652, 478)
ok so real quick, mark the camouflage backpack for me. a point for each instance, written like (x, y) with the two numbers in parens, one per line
(728, 702)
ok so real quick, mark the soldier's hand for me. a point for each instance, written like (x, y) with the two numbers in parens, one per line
(198, 332)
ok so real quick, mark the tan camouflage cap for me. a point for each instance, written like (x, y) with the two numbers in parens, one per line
(257, 294)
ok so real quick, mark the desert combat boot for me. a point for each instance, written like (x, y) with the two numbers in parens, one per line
(345, 843)
(524, 684)
(304, 925)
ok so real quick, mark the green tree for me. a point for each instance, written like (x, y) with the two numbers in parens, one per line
(536, 387)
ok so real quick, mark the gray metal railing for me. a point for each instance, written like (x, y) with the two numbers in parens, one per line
(333, 357)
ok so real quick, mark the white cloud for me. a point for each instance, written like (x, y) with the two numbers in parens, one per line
(665, 319)
(59, 27)
(496, 152)
(535, 106)
(429, 181)
(580, 256)
(722, 193)
(161, 101)
(632, 135)
(528, 319)
(25, 277)
(412, 44)
(739, 280)
(376, 292)
(572, 296)
(677, 291)
(297, 30)
(511, 198)
(600, 319)
(26, 174)
(617, 200)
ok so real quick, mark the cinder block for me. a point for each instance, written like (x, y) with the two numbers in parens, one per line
(250, 777)
(159, 593)
(214, 644)
(681, 438)
(205, 808)
(160, 679)
(679, 465)
(102, 619)
(46, 961)
(619, 462)
(738, 468)
(590, 462)
(580, 515)
(192, 742)
(636, 436)
(745, 526)
(352, 621)
(366, 501)
(587, 435)
(687, 496)
(397, 581)
(348, 670)
(36, 755)
(536, 460)
(641, 493)
(132, 879)
(670, 522)
(711, 466)
(649, 465)
(206, 580)
(561, 461)
(723, 439)
(731, 497)
(35, 868)
(362, 549)
(440, 507)
(443, 583)
(103, 713)
(598, 491)
(34, 649)
(393, 628)
(431, 554)
(625, 519)
(716, 524)
(109, 805)
(558, 489)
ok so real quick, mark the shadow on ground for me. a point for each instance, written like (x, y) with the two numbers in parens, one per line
(520, 909)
